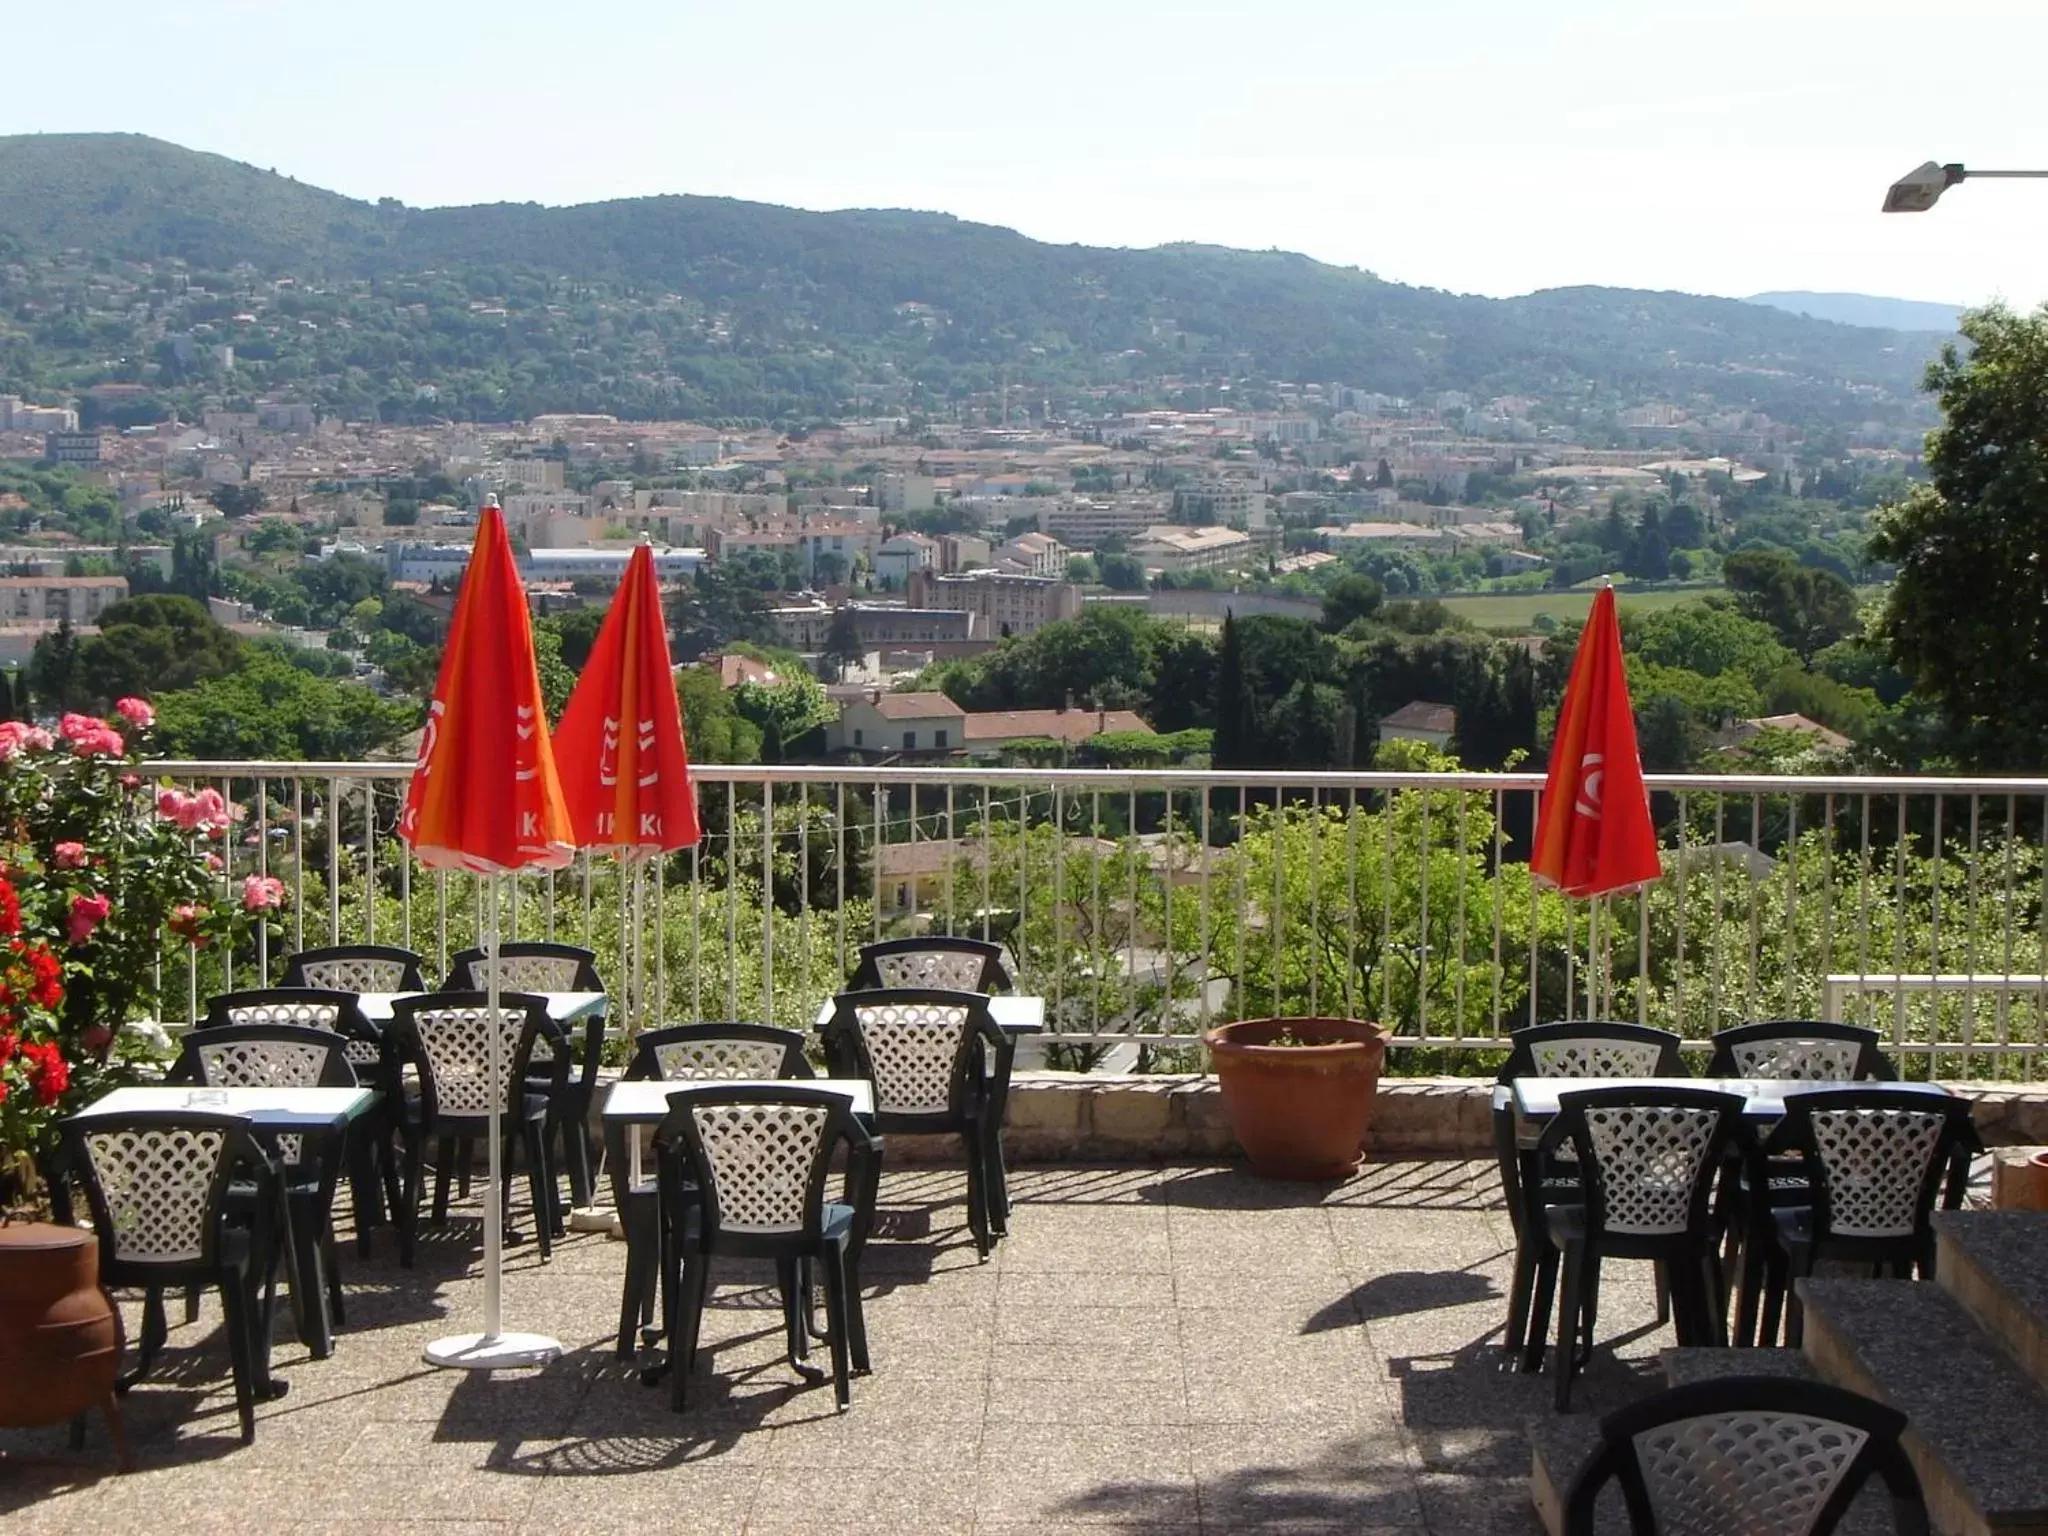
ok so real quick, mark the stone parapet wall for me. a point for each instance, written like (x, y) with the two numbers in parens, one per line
(1106, 1117)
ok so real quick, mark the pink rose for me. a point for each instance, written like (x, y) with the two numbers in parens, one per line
(131, 781)
(137, 712)
(73, 726)
(70, 855)
(171, 805)
(103, 742)
(262, 893)
(15, 736)
(87, 913)
(213, 864)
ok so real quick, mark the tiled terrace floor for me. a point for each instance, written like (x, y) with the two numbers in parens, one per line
(1177, 1350)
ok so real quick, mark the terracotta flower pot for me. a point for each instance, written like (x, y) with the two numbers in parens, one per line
(60, 1342)
(1299, 1111)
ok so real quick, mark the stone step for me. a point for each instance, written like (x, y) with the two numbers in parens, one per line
(1687, 1364)
(1996, 1264)
(1979, 1422)
(1560, 1444)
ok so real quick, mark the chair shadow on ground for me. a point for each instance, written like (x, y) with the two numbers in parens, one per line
(1402, 1292)
(1409, 1184)
(608, 1421)
(1356, 1483)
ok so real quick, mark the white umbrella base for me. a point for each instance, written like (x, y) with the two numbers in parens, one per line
(591, 1218)
(493, 1351)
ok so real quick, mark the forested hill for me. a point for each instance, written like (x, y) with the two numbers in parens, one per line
(893, 306)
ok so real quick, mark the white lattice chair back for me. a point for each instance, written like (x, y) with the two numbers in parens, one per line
(956, 970)
(1651, 1159)
(528, 973)
(1590, 1056)
(156, 1183)
(354, 973)
(1754, 1472)
(759, 1159)
(262, 1064)
(1798, 1059)
(456, 1043)
(1876, 1163)
(305, 1015)
(912, 1048)
(722, 1059)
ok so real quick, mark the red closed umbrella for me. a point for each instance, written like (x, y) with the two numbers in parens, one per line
(485, 797)
(625, 771)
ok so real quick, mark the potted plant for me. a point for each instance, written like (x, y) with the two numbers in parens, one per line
(1299, 1092)
(103, 877)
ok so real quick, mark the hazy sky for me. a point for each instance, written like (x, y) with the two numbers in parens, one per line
(1489, 146)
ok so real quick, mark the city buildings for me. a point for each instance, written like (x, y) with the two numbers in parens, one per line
(76, 600)
(1172, 548)
(1001, 603)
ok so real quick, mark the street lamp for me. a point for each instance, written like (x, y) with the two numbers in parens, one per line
(1919, 188)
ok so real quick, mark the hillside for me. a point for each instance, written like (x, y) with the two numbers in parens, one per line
(690, 305)
(1866, 309)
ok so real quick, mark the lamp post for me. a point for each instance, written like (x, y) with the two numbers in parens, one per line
(1919, 189)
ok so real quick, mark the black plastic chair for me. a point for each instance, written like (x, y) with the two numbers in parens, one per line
(1806, 1050)
(446, 1037)
(959, 965)
(1810, 1050)
(937, 1064)
(535, 965)
(743, 1174)
(685, 1053)
(1877, 1160)
(1647, 1162)
(1747, 1454)
(286, 1056)
(356, 968)
(157, 1183)
(1588, 1048)
(372, 1153)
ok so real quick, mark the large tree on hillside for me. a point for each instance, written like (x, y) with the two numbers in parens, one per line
(1967, 617)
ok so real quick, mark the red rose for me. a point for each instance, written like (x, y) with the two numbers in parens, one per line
(10, 909)
(49, 1073)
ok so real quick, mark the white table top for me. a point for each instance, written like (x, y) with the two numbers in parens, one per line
(272, 1108)
(1015, 1013)
(646, 1102)
(563, 1007)
(1536, 1098)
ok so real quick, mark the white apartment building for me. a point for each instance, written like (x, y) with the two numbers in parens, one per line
(529, 474)
(896, 558)
(1170, 547)
(1086, 525)
(1033, 554)
(77, 600)
(1001, 604)
(1220, 501)
(15, 416)
(906, 493)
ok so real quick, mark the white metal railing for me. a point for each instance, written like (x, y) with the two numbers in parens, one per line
(1147, 904)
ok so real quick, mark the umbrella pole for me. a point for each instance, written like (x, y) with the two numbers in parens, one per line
(494, 1349)
(494, 1195)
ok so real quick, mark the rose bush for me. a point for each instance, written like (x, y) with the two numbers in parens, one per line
(105, 880)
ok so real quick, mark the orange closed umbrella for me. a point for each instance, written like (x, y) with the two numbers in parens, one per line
(1595, 834)
(485, 797)
(625, 771)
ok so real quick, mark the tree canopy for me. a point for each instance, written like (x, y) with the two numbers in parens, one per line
(1967, 616)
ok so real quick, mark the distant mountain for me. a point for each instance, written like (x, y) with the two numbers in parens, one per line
(669, 306)
(1866, 309)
